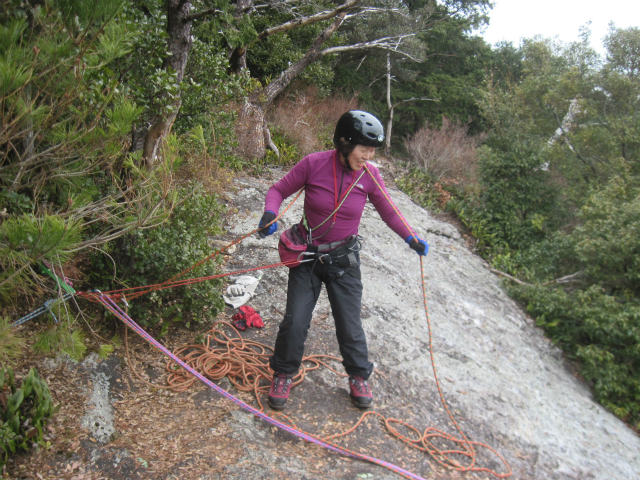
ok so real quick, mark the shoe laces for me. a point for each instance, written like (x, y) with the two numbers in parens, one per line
(281, 383)
(360, 385)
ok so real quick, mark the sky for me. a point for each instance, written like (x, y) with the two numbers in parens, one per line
(512, 20)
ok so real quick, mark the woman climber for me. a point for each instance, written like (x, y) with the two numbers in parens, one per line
(337, 184)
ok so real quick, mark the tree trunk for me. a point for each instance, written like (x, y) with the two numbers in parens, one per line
(387, 140)
(252, 131)
(179, 44)
(238, 57)
(277, 86)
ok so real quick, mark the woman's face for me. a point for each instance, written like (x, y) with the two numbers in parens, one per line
(359, 156)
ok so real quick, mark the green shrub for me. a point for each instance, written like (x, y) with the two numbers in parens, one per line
(15, 203)
(151, 256)
(62, 338)
(488, 240)
(289, 153)
(418, 184)
(27, 240)
(24, 412)
(608, 240)
(517, 199)
(600, 332)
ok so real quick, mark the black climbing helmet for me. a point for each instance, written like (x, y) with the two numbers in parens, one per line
(359, 128)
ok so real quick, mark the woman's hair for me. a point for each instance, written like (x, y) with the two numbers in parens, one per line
(343, 146)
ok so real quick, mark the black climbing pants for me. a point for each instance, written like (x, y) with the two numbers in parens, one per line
(344, 289)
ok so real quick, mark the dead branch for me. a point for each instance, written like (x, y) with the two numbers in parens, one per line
(385, 43)
(205, 13)
(510, 277)
(298, 22)
(415, 99)
(565, 279)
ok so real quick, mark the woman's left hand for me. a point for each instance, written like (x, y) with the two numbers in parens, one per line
(416, 243)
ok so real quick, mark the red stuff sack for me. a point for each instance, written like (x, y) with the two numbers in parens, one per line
(292, 247)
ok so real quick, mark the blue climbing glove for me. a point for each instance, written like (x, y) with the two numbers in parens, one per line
(419, 245)
(267, 217)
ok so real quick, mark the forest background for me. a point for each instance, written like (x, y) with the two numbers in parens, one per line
(123, 122)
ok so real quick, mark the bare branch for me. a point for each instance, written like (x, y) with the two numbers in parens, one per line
(364, 57)
(567, 278)
(391, 44)
(365, 10)
(561, 280)
(416, 99)
(510, 277)
(298, 22)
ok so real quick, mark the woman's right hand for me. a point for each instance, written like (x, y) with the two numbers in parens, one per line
(263, 225)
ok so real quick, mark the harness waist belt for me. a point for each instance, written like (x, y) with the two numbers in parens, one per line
(330, 247)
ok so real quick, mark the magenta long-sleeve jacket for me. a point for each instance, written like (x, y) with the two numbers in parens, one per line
(325, 181)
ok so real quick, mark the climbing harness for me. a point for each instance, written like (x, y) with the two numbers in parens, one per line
(342, 254)
(245, 364)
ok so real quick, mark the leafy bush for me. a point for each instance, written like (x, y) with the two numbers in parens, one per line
(420, 186)
(488, 241)
(544, 261)
(24, 412)
(608, 241)
(517, 199)
(289, 152)
(62, 338)
(151, 256)
(601, 332)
